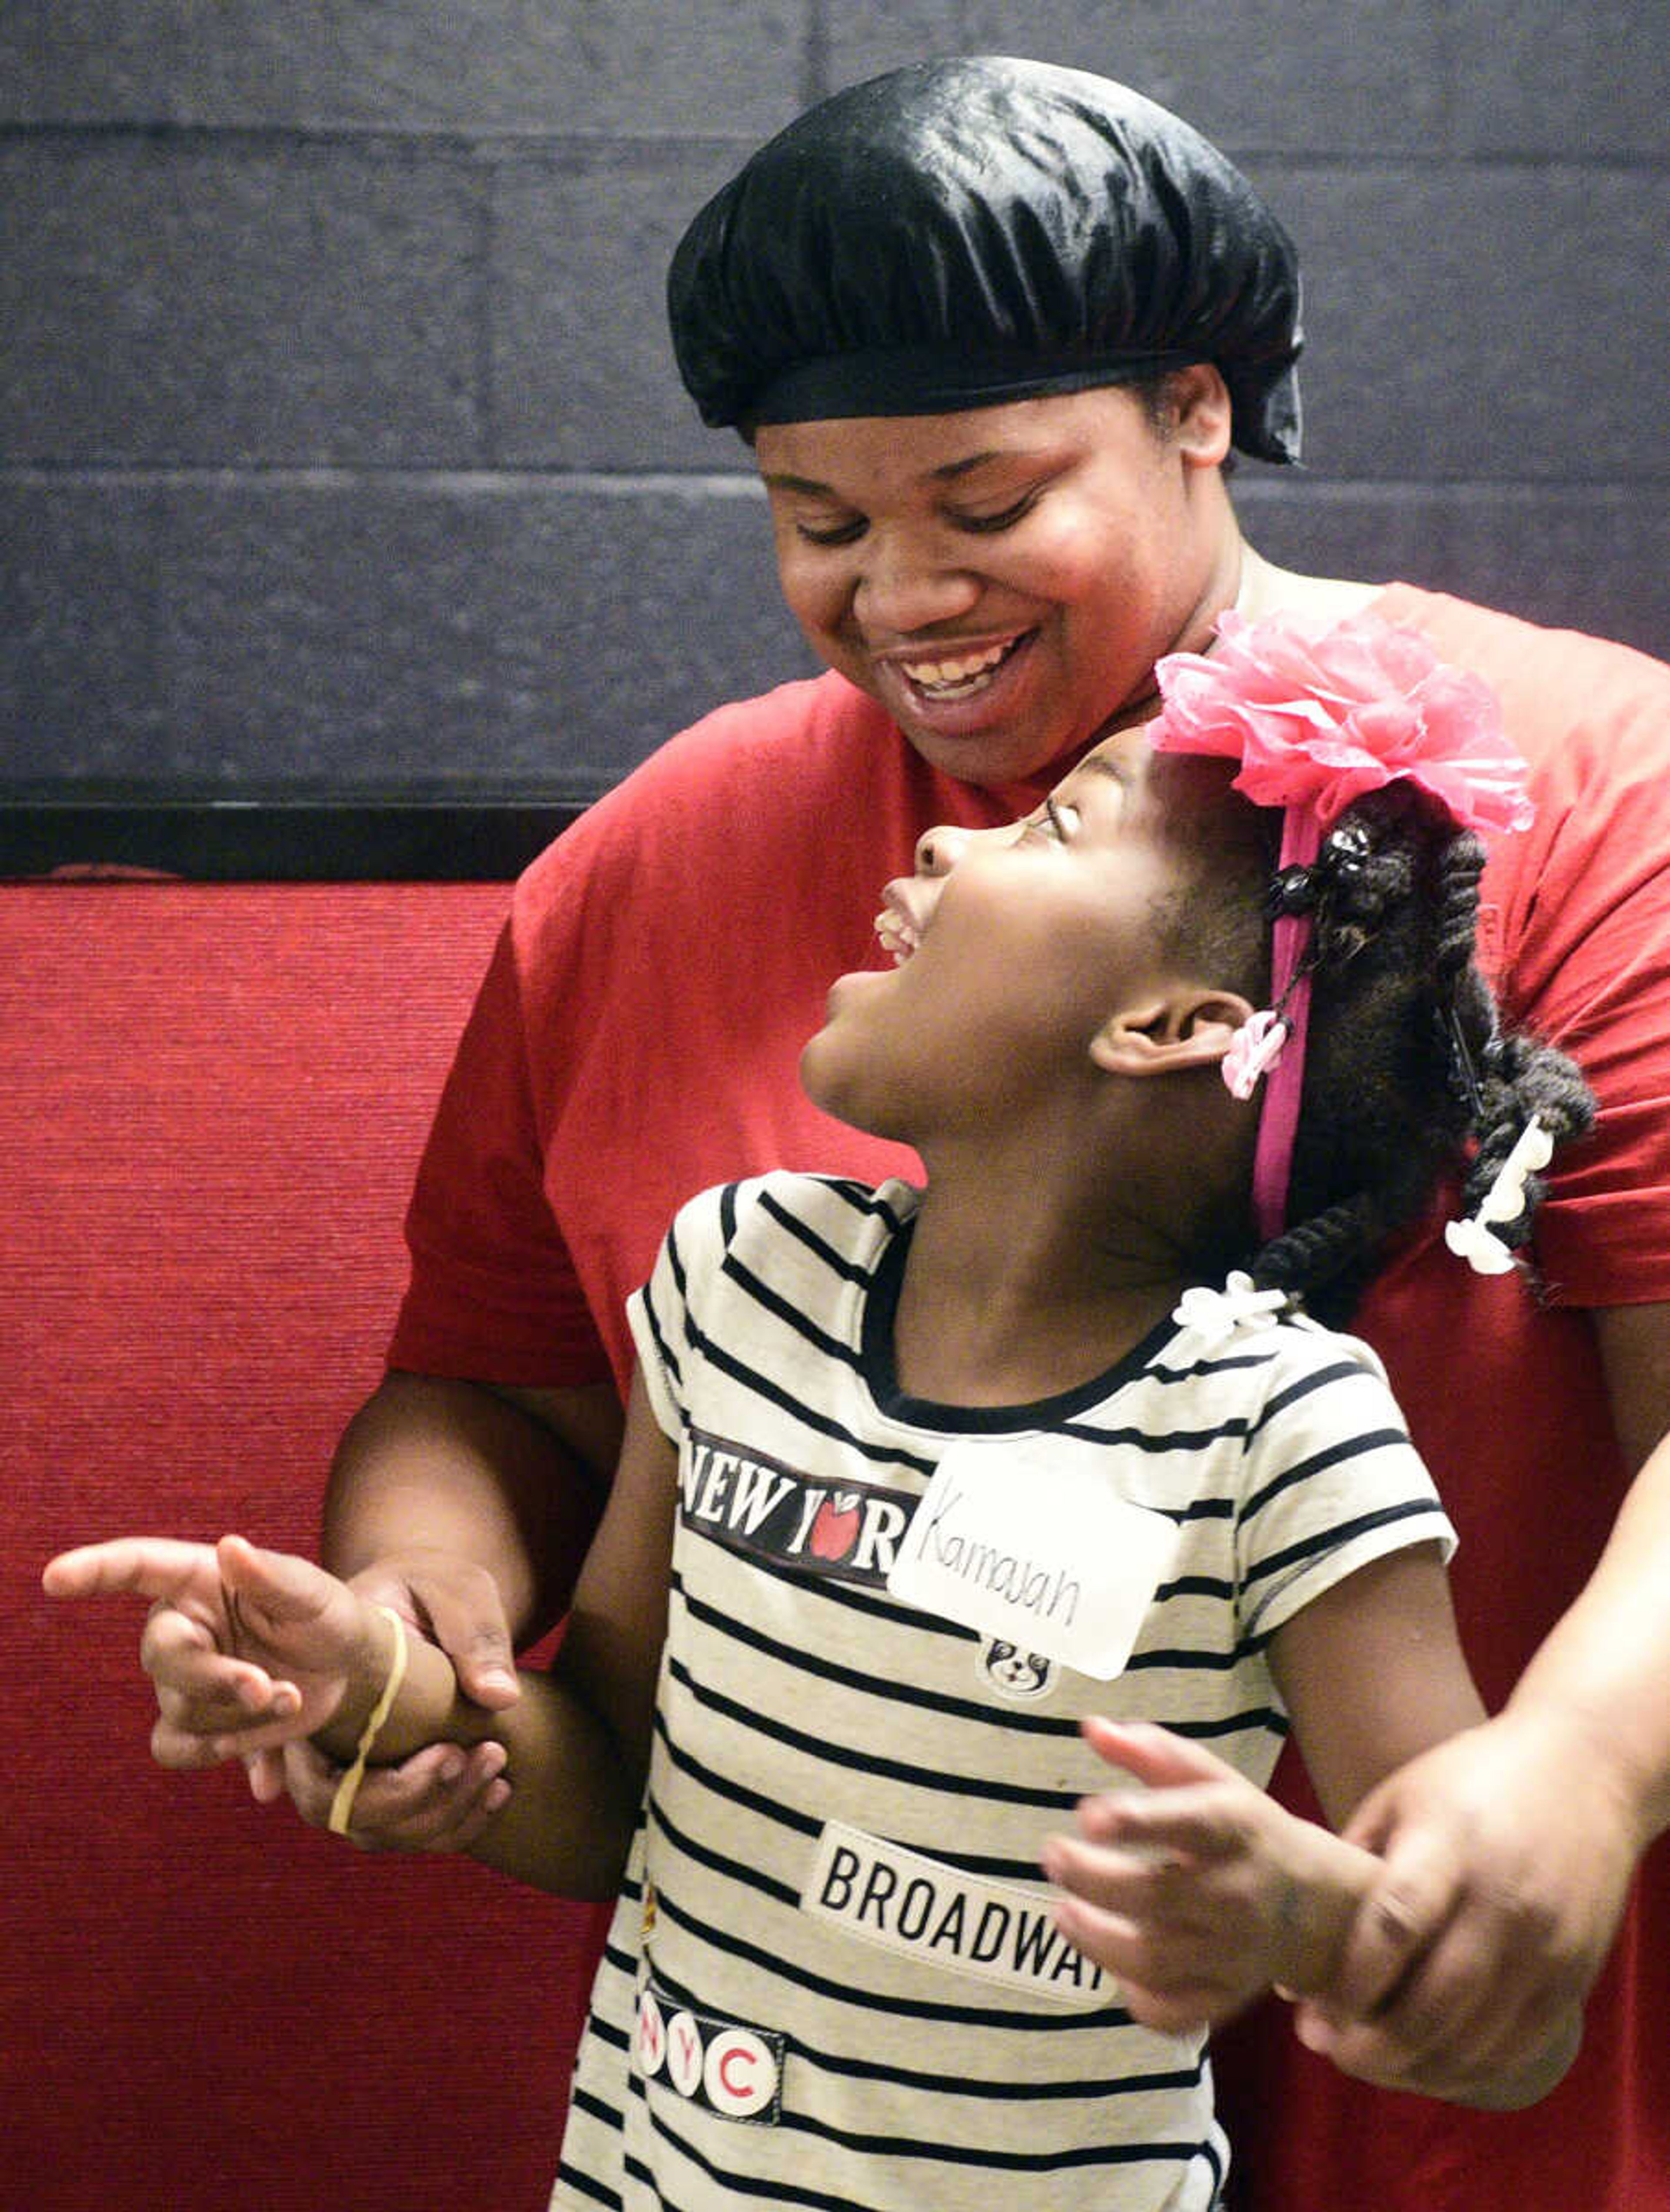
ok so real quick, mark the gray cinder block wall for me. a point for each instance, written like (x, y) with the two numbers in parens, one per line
(339, 442)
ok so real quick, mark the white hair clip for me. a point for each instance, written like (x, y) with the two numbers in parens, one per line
(1472, 1238)
(1216, 1314)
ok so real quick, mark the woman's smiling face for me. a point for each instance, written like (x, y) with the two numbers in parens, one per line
(1003, 579)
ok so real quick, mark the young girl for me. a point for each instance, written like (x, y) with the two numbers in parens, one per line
(931, 1501)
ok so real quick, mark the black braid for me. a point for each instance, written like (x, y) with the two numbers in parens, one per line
(1405, 1061)
(1319, 1250)
(1522, 1078)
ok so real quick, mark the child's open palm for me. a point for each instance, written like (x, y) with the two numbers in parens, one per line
(1198, 1891)
(247, 1648)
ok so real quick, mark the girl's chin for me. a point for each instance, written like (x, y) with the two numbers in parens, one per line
(833, 1084)
(815, 1072)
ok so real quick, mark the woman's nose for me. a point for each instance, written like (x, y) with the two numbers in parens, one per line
(905, 588)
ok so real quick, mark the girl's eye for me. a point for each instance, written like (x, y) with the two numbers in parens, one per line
(1052, 821)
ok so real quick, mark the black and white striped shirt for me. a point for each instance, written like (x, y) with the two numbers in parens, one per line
(832, 1979)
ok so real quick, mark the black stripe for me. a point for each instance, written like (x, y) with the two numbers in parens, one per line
(1000, 2161)
(1196, 1586)
(1060, 1801)
(1151, 1441)
(1335, 1538)
(1227, 1364)
(589, 2101)
(1337, 1455)
(848, 1271)
(1008, 2090)
(583, 2182)
(1320, 1378)
(1192, 1660)
(829, 1591)
(663, 1350)
(1257, 1716)
(792, 1317)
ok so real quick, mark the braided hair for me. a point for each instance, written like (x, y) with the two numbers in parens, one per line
(1406, 1065)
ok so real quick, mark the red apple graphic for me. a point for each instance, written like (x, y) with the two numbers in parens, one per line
(835, 1530)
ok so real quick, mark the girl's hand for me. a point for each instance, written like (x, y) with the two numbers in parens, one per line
(248, 1650)
(1198, 1892)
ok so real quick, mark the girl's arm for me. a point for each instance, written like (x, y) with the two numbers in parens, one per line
(278, 1644)
(1200, 1891)
(1372, 1672)
(577, 1739)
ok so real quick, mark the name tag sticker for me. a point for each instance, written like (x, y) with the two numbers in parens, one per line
(1027, 1538)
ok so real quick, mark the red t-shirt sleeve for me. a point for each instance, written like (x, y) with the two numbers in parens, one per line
(493, 1295)
(1588, 923)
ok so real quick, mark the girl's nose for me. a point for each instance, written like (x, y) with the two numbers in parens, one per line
(938, 851)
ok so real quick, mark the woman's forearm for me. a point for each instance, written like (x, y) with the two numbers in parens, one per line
(1599, 1684)
(1602, 1675)
(454, 1471)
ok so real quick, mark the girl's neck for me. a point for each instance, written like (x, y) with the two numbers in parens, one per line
(1009, 1297)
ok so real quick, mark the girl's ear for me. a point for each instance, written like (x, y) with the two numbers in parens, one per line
(1169, 1032)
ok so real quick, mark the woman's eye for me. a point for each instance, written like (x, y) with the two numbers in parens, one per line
(990, 524)
(832, 534)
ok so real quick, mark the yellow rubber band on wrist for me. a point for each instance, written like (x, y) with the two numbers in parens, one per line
(342, 1805)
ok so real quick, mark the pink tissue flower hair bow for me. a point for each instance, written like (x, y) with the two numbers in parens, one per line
(1318, 714)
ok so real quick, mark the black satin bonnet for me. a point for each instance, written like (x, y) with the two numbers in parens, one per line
(964, 233)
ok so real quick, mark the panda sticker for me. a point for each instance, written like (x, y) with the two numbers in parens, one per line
(1023, 1675)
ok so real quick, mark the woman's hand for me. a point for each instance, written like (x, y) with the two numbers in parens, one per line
(443, 1798)
(1507, 1860)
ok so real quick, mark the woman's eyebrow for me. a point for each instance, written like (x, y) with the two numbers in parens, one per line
(949, 470)
(1016, 456)
(779, 480)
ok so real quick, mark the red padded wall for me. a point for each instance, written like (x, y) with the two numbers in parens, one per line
(211, 1101)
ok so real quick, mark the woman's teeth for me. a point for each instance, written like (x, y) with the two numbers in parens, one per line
(955, 678)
